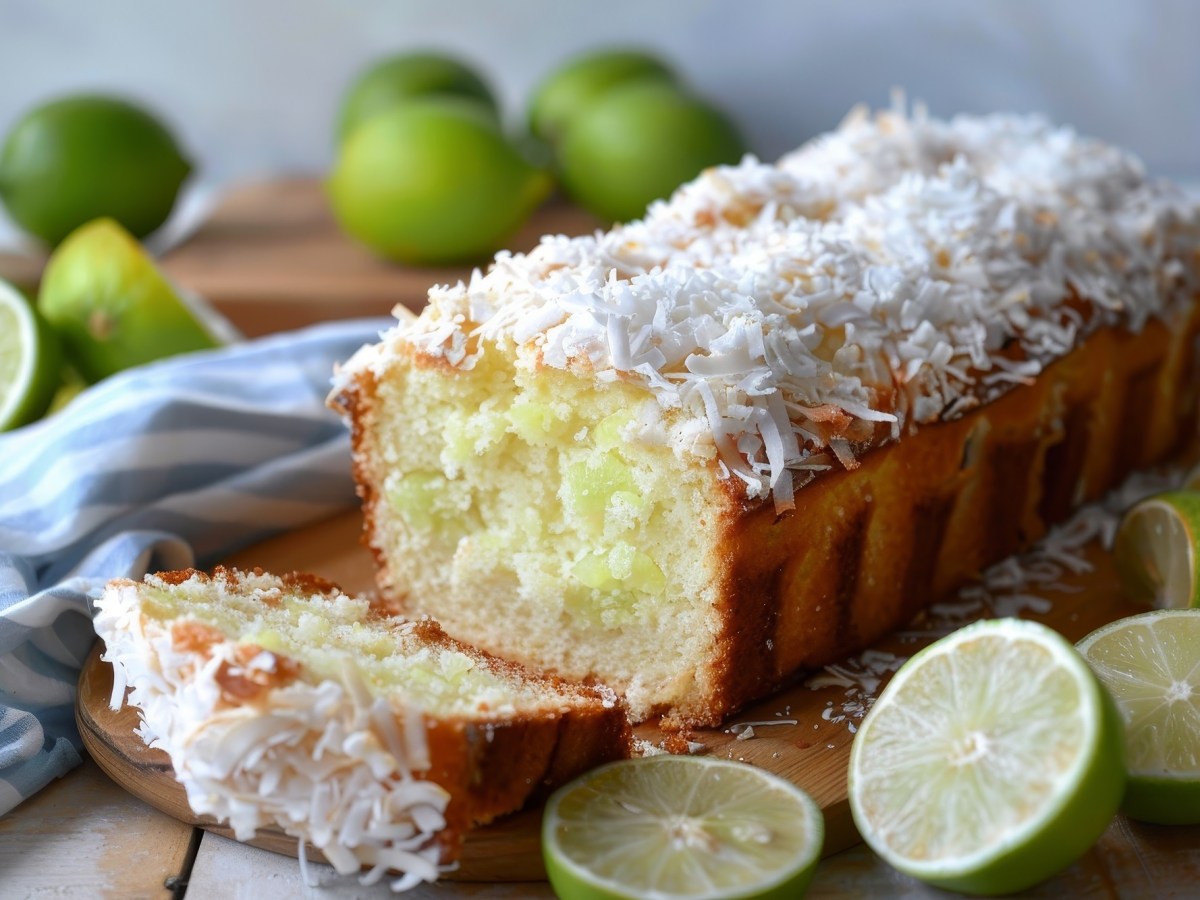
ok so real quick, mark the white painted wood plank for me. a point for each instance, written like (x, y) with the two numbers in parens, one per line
(84, 837)
(233, 871)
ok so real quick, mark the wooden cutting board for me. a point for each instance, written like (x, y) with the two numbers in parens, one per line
(808, 741)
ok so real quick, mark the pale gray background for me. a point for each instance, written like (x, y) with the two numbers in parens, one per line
(251, 87)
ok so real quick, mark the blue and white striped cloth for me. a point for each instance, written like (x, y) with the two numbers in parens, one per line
(160, 467)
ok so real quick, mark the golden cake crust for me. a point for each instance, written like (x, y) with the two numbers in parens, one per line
(866, 549)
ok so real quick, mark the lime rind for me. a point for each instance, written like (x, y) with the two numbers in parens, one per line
(1162, 735)
(1072, 811)
(620, 813)
(112, 306)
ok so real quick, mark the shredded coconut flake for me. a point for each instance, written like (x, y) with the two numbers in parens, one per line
(326, 762)
(898, 271)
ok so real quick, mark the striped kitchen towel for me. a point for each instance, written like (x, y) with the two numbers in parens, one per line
(161, 467)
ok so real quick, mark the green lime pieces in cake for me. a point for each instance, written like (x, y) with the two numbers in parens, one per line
(29, 360)
(1155, 550)
(992, 760)
(1151, 665)
(680, 827)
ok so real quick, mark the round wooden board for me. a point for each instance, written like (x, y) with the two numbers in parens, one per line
(807, 740)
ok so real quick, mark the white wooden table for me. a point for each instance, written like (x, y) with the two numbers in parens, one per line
(83, 837)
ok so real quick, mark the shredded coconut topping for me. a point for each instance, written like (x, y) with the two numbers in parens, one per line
(327, 762)
(785, 317)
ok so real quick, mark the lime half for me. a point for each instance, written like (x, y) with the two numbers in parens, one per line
(681, 826)
(1151, 664)
(30, 360)
(991, 760)
(1155, 550)
(111, 305)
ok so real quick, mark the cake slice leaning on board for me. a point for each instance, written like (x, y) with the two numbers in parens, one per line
(283, 701)
(753, 432)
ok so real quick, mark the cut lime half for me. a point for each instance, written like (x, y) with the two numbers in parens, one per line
(30, 359)
(112, 306)
(1151, 665)
(680, 827)
(991, 760)
(1155, 550)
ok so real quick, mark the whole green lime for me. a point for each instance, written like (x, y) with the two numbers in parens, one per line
(637, 143)
(80, 158)
(574, 87)
(111, 306)
(405, 77)
(433, 181)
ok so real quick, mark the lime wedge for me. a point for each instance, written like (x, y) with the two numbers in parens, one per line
(1151, 664)
(111, 305)
(1155, 550)
(30, 360)
(680, 826)
(991, 760)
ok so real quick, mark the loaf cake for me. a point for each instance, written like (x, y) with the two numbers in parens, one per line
(790, 407)
(283, 701)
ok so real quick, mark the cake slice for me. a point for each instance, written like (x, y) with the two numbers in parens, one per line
(283, 701)
(798, 402)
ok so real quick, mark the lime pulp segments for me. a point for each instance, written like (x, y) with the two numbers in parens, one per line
(1155, 550)
(992, 760)
(1151, 665)
(680, 827)
(30, 360)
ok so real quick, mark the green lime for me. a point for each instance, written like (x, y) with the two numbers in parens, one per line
(680, 827)
(30, 360)
(111, 306)
(577, 85)
(405, 77)
(1151, 664)
(637, 143)
(433, 181)
(80, 158)
(1155, 550)
(992, 760)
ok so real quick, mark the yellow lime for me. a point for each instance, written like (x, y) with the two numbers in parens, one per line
(1151, 664)
(30, 360)
(637, 143)
(111, 306)
(992, 760)
(670, 827)
(433, 181)
(576, 85)
(1155, 550)
(407, 76)
(79, 158)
